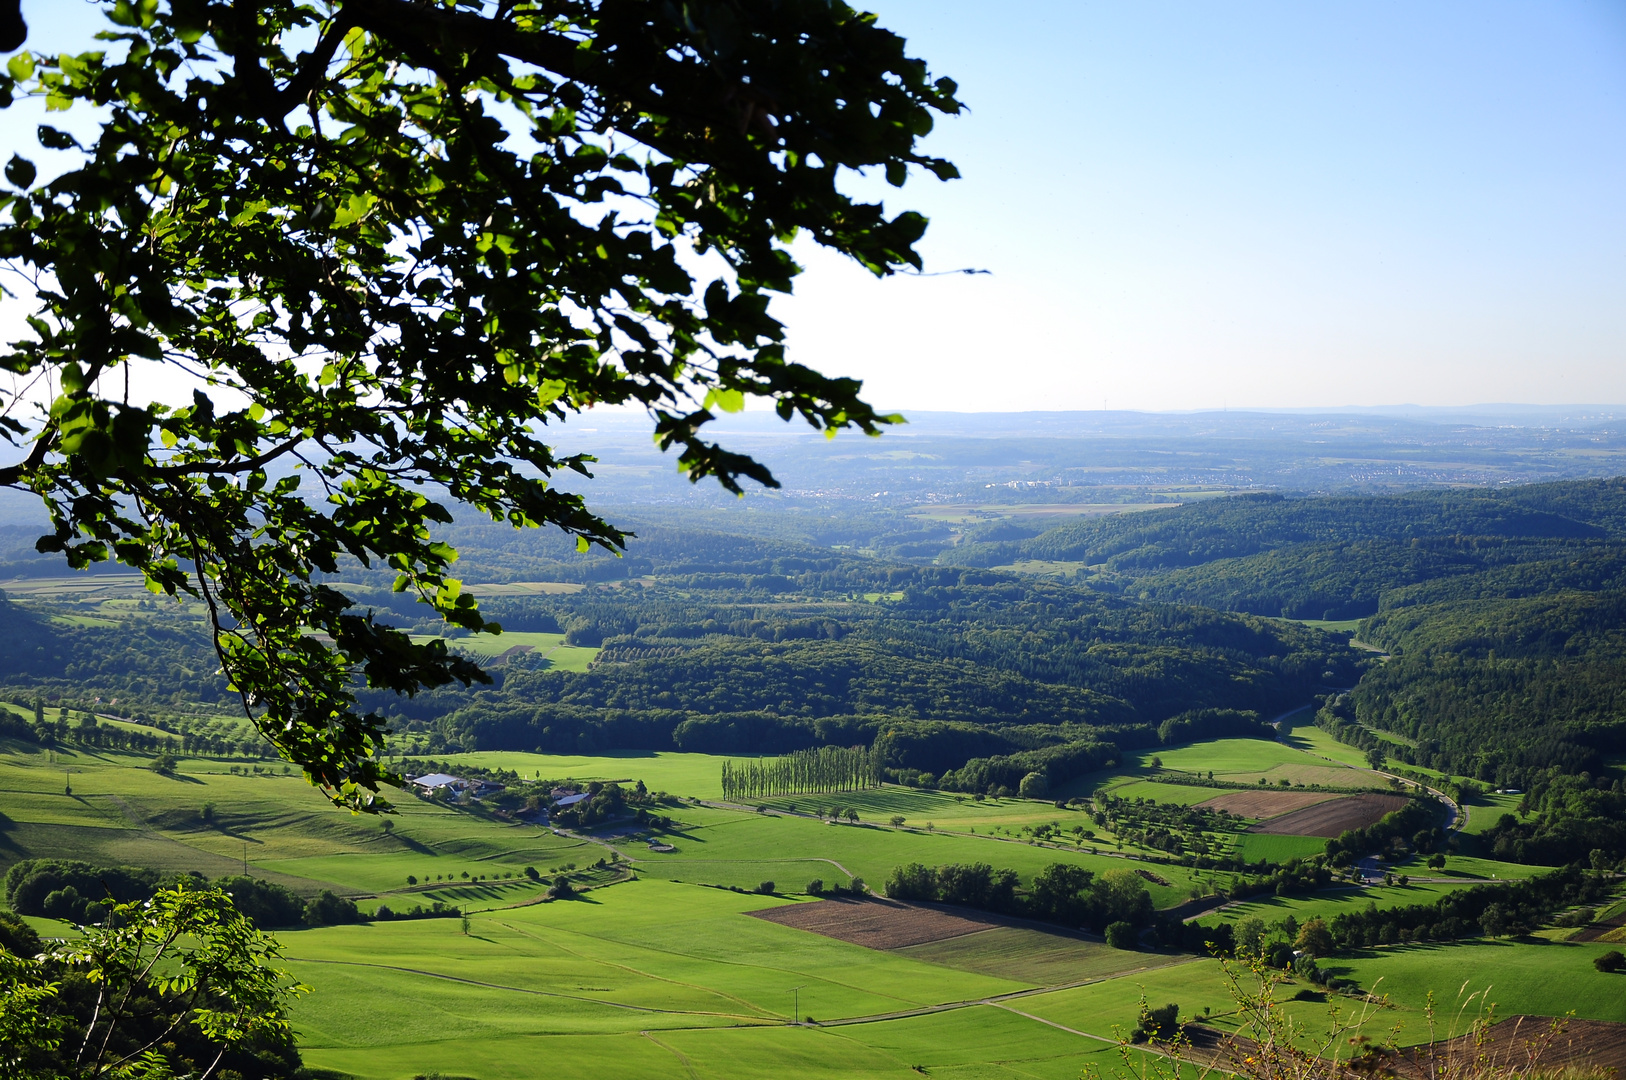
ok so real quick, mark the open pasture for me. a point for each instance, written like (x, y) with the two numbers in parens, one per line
(1254, 847)
(696, 775)
(121, 812)
(1527, 976)
(526, 588)
(1309, 739)
(1484, 811)
(1152, 790)
(723, 846)
(488, 648)
(1331, 902)
(1243, 761)
(1029, 954)
(643, 956)
(1330, 818)
(942, 809)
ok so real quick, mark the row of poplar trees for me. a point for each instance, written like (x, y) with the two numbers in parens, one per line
(806, 772)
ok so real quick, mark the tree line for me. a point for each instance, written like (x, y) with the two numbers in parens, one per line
(806, 772)
(1060, 893)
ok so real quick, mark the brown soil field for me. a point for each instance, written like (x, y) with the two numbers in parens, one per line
(1520, 1041)
(876, 923)
(1512, 1046)
(1265, 804)
(1332, 817)
(1602, 930)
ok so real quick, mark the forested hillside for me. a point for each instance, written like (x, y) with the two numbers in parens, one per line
(1339, 557)
(731, 643)
(1504, 612)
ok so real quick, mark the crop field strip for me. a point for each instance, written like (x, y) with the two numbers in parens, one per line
(878, 923)
(1262, 804)
(1332, 817)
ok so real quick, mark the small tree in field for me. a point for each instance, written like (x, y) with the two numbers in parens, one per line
(1610, 962)
(815, 887)
(1122, 935)
(1315, 938)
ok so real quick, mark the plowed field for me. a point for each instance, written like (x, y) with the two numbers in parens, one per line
(1521, 1041)
(1332, 817)
(877, 923)
(1515, 1045)
(1265, 804)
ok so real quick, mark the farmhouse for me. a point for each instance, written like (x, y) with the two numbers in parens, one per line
(475, 789)
(570, 800)
(439, 780)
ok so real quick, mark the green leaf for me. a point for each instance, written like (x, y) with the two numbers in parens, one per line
(20, 171)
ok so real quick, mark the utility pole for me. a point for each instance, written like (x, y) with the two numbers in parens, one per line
(796, 1003)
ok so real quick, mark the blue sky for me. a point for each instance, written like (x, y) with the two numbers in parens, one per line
(1197, 204)
(1191, 205)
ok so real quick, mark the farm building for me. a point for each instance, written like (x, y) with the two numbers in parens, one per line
(571, 800)
(438, 780)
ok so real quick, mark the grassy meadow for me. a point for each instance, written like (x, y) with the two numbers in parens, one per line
(666, 974)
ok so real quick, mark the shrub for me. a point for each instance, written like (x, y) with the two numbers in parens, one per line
(815, 887)
(17, 937)
(1610, 962)
(1034, 786)
(1122, 935)
(532, 873)
(765, 888)
(1159, 1023)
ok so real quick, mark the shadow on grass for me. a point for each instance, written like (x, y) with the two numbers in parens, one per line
(180, 778)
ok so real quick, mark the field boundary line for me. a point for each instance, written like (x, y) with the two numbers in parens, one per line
(682, 1059)
(1054, 1024)
(997, 1000)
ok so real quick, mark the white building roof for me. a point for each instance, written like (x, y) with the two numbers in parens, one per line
(435, 780)
(572, 800)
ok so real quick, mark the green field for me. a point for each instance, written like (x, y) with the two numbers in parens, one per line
(698, 775)
(1331, 902)
(1312, 740)
(664, 975)
(1299, 760)
(730, 847)
(1485, 810)
(1279, 849)
(488, 647)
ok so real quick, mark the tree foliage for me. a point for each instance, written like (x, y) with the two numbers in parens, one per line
(390, 243)
(177, 984)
